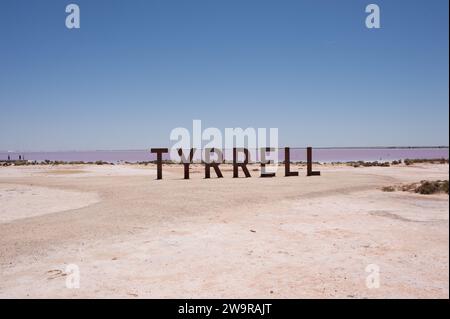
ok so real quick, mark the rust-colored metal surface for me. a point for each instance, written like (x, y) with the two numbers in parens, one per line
(186, 161)
(159, 152)
(243, 164)
(287, 163)
(309, 170)
(264, 162)
(236, 163)
(213, 164)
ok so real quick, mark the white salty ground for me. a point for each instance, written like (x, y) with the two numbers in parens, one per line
(297, 237)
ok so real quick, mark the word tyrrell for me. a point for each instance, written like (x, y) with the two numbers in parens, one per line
(236, 163)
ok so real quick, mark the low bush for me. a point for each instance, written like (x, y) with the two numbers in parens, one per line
(424, 187)
(410, 161)
(388, 189)
(432, 187)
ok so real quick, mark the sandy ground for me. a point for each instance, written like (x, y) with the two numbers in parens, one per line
(24, 201)
(131, 236)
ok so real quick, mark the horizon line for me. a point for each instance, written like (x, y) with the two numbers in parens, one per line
(295, 147)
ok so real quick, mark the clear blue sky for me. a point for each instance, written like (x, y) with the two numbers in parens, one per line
(137, 69)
